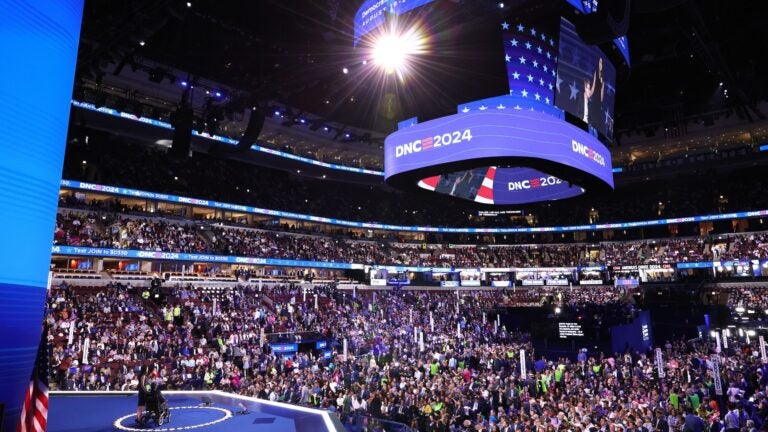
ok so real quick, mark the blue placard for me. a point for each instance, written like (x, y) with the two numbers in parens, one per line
(321, 345)
(695, 265)
(284, 348)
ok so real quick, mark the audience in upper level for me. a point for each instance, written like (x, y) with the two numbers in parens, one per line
(114, 231)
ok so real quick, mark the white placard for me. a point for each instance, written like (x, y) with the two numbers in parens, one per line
(659, 363)
(86, 347)
(716, 370)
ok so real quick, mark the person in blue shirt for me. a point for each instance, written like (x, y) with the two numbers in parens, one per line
(693, 423)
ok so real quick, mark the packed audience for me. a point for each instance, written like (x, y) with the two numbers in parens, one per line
(424, 359)
(122, 232)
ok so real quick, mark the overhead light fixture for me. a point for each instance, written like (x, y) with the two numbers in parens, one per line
(392, 51)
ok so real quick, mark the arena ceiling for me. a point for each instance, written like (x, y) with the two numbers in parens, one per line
(294, 51)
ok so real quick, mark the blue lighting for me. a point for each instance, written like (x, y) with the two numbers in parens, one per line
(116, 190)
(618, 170)
(183, 83)
(40, 41)
(218, 94)
(764, 147)
(277, 113)
(302, 121)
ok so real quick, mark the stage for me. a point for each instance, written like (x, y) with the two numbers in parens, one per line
(116, 411)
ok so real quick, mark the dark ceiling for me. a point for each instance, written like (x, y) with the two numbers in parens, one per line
(293, 51)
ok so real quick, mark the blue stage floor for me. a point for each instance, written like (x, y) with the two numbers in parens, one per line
(111, 412)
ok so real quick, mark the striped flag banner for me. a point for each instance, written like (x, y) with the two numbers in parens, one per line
(34, 413)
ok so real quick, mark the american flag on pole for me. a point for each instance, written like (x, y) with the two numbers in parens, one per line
(34, 413)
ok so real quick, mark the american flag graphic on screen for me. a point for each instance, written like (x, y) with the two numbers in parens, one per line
(531, 57)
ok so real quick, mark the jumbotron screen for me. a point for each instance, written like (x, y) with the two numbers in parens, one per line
(585, 81)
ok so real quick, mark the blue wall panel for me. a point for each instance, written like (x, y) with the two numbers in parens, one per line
(38, 47)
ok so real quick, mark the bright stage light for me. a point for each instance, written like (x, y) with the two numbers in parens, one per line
(393, 50)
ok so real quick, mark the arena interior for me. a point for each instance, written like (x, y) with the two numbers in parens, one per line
(384, 215)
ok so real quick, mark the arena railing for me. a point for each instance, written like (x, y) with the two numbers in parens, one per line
(135, 193)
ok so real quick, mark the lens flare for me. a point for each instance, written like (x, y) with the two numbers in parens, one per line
(393, 50)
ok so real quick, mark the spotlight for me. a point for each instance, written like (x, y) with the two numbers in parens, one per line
(218, 94)
(501, 5)
(189, 4)
(346, 135)
(392, 51)
(302, 121)
(277, 113)
(326, 128)
(345, 71)
(142, 43)
(184, 83)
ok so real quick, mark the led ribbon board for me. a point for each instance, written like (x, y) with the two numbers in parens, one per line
(532, 157)
(373, 13)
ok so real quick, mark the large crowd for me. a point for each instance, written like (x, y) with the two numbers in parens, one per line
(426, 359)
(167, 235)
